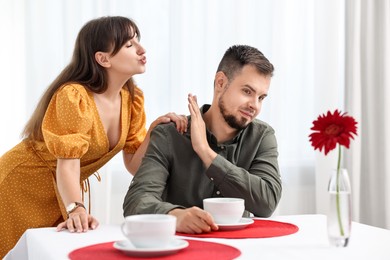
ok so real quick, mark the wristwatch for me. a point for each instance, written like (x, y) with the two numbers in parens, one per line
(73, 206)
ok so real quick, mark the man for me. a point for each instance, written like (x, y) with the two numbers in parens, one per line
(226, 152)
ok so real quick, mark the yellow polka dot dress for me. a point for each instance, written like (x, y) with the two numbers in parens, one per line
(71, 129)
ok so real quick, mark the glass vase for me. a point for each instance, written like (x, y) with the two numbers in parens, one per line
(339, 217)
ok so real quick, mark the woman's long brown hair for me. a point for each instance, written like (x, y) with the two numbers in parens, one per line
(106, 34)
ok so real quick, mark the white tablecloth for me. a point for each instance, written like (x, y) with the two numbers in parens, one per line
(310, 242)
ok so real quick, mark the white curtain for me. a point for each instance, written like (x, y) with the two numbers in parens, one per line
(12, 72)
(367, 97)
(185, 40)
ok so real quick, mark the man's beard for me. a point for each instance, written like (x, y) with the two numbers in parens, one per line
(230, 119)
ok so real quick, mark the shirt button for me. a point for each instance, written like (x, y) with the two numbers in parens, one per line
(218, 192)
(212, 179)
(222, 147)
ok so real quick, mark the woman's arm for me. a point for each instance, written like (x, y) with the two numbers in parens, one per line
(133, 161)
(68, 183)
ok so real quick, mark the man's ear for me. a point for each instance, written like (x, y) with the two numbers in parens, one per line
(103, 59)
(220, 81)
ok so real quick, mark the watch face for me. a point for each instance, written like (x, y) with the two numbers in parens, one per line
(70, 207)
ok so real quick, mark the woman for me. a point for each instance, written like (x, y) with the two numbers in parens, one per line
(89, 113)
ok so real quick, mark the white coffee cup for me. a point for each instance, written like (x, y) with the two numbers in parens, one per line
(149, 230)
(225, 210)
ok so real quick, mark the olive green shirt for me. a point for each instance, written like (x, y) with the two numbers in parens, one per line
(173, 176)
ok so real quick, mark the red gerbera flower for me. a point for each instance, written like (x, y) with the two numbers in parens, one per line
(332, 129)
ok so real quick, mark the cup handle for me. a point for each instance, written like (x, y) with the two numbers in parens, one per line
(123, 229)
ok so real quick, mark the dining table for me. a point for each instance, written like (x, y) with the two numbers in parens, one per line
(308, 241)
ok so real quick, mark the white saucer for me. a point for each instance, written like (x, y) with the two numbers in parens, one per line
(243, 223)
(128, 248)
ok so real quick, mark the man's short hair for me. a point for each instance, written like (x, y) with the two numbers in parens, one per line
(237, 56)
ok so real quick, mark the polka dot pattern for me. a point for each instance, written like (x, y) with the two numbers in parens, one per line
(72, 129)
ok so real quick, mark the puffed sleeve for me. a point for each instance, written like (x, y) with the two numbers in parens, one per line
(67, 122)
(137, 130)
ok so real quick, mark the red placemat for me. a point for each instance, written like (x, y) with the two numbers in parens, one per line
(195, 250)
(259, 229)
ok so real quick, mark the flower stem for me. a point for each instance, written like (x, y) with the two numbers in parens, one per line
(338, 193)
